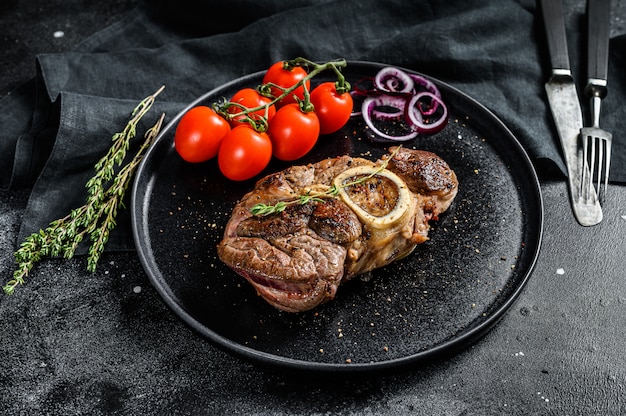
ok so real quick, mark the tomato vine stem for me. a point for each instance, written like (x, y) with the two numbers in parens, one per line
(313, 69)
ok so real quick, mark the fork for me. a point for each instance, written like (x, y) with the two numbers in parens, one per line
(596, 142)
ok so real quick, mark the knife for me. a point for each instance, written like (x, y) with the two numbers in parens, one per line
(566, 111)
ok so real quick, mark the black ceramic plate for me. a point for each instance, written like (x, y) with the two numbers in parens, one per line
(449, 292)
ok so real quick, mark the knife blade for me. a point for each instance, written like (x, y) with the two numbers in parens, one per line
(566, 111)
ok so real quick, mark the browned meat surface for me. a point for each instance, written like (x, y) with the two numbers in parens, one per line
(297, 259)
(427, 174)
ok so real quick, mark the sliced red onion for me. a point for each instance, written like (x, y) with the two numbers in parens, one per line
(430, 87)
(389, 107)
(368, 107)
(410, 97)
(393, 81)
(415, 114)
(394, 106)
(426, 83)
(388, 115)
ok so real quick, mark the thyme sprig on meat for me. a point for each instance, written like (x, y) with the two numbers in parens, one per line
(318, 196)
(97, 217)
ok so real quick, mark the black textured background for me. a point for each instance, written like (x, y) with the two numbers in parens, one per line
(74, 343)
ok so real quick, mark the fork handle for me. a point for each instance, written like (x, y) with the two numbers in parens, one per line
(598, 24)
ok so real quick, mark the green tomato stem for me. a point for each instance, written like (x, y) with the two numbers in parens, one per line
(305, 105)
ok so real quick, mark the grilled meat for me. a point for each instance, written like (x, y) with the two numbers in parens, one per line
(297, 259)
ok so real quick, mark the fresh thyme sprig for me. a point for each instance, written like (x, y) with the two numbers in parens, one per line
(261, 209)
(96, 218)
(114, 198)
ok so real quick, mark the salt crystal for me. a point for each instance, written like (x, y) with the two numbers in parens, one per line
(137, 289)
(560, 271)
(58, 34)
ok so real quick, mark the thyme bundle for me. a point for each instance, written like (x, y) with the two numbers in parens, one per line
(97, 217)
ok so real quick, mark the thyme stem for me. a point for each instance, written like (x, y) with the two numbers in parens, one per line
(96, 218)
(114, 197)
(261, 209)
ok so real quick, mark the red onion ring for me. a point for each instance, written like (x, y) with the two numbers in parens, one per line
(367, 110)
(415, 114)
(410, 97)
(430, 87)
(426, 83)
(393, 81)
(395, 105)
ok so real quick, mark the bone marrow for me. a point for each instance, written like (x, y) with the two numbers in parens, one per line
(379, 201)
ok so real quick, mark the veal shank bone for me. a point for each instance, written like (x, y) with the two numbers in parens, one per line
(296, 259)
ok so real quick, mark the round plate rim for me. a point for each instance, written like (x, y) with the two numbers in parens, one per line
(445, 348)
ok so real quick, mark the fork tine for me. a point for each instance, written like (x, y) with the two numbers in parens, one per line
(596, 159)
(607, 166)
(599, 146)
(591, 192)
(584, 183)
(592, 159)
(596, 166)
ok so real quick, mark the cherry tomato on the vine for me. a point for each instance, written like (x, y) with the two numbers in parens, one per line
(332, 109)
(293, 132)
(199, 134)
(286, 78)
(244, 153)
(250, 98)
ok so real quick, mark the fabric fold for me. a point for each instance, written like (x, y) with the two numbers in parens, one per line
(86, 126)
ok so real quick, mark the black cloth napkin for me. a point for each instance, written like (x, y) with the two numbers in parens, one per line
(55, 127)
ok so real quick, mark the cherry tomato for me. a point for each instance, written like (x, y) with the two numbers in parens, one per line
(244, 153)
(293, 133)
(286, 78)
(333, 109)
(250, 98)
(199, 134)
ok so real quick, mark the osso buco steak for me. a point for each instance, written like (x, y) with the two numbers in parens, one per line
(365, 215)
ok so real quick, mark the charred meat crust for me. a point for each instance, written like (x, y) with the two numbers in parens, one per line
(424, 172)
(297, 259)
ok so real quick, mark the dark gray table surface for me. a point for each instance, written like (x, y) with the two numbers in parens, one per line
(74, 343)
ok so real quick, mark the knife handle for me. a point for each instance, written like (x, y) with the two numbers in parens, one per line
(598, 23)
(554, 24)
